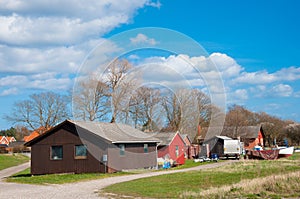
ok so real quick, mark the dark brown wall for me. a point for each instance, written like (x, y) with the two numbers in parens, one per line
(42, 164)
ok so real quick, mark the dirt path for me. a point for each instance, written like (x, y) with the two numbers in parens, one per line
(81, 189)
(12, 170)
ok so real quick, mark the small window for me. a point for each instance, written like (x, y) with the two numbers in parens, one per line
(145, 148)
(80, 152)
(122, 149)
(56, 152)
(177, 151)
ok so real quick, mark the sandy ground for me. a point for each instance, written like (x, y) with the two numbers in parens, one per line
(82, 190)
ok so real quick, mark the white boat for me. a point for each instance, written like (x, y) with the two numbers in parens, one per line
(285, 151)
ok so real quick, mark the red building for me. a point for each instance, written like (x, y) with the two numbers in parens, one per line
(172, 147)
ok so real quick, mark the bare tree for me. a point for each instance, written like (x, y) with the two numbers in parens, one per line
(172, 110)
(293, 133)
(237, 117)
(90, 100)
(186, 109)
(43, 109)
(145, 108)
(273, 128)
(119, 87)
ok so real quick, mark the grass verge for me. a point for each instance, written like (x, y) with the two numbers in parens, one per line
(26, 178)
(194, 184)
(10, 160)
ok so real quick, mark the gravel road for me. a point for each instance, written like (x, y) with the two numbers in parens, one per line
(80, 190)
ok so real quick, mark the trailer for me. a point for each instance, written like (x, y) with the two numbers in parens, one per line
(223, 146)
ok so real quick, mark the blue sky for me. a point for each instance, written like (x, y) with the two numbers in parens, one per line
(254, 43)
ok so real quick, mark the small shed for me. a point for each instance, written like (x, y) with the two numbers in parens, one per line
(249, 135)
(90, 147)
(171, 146)
(214, 145)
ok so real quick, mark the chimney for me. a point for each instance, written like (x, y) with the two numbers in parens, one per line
(199, 131)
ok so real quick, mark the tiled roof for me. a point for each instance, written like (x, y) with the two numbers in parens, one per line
(32, 135)
(11, 139)
(35, 133)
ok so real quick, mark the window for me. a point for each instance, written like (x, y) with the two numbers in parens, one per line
(56, 152)
(122, 149)
(80, 152)
(145, 148)
(177, 151)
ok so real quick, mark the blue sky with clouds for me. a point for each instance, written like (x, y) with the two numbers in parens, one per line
(255, 45)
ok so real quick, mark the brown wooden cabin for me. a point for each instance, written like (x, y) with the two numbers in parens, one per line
(88, 147)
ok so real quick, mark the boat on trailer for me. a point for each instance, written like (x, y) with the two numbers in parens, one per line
(285, 152)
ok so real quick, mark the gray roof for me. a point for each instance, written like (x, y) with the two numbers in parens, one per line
(165, 138)
(116, 133)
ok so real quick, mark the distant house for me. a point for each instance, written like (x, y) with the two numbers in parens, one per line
(171, 146)
(17, 147)
(35, 134)
(249, 135)
(4, 140)
(11, 139)
(85, 147)
(188, 146)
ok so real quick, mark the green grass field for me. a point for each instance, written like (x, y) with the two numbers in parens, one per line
(26, 178)
(9, 160)
(251, 179)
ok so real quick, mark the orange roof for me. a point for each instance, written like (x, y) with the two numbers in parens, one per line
(35, 133)
(11, 139)
(32, 135)
(3, 140)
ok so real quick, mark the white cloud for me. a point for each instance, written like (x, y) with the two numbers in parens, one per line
(142, 39)
(264, 77)
(288, 74)
(25, 31)
(239, 96)
(133, 57)
(227, 65)
(154, 4)
(278, 90)
(68, 22)
(35, 60)
(10, 91)
(260, 77)
(47, 41)
(297, 94)
(281, 90)
(73, 8)
(40, 81)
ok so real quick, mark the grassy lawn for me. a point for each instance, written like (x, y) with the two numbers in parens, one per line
(9, 160)
(230, 178)
(191, 163)
(26, 178)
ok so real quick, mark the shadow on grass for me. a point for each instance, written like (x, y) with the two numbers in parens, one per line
(21, 175)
